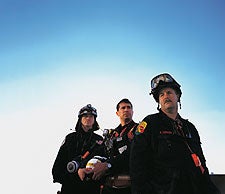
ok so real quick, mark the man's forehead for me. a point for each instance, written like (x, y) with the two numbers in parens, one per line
(87, 114)
(166, 89)
(123, 105)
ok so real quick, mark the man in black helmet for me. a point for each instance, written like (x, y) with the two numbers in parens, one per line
(166, 154)
(75, 145)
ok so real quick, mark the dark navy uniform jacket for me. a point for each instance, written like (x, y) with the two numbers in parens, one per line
(120, 153)
(76, 143)
(161, 161)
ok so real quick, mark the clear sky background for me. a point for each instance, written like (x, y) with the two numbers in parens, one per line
(57, 56)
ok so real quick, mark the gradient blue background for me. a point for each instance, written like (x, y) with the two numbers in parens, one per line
(57, 56)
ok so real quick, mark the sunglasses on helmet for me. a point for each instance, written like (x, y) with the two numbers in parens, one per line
(88, 109)
(161, 78)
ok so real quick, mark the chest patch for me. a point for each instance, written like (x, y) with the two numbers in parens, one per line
(166, 132)
(122, 149)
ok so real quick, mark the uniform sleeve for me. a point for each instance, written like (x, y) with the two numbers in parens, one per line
(209, 185)
(196, 146)
(140, 150)
(59, 170)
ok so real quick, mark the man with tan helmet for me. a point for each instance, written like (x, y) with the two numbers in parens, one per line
(166, 154)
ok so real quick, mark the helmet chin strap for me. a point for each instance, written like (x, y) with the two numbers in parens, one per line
(158, 108)
(179, 104)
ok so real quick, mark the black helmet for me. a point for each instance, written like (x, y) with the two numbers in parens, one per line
(162, 81)
(87, 110)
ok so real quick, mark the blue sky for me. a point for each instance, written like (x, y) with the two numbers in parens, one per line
(57, 56)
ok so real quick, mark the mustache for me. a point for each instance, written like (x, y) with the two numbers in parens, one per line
(167, 100)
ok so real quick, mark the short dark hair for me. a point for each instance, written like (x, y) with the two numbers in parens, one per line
(124, 100)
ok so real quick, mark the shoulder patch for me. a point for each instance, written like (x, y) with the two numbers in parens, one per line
(141, 128)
